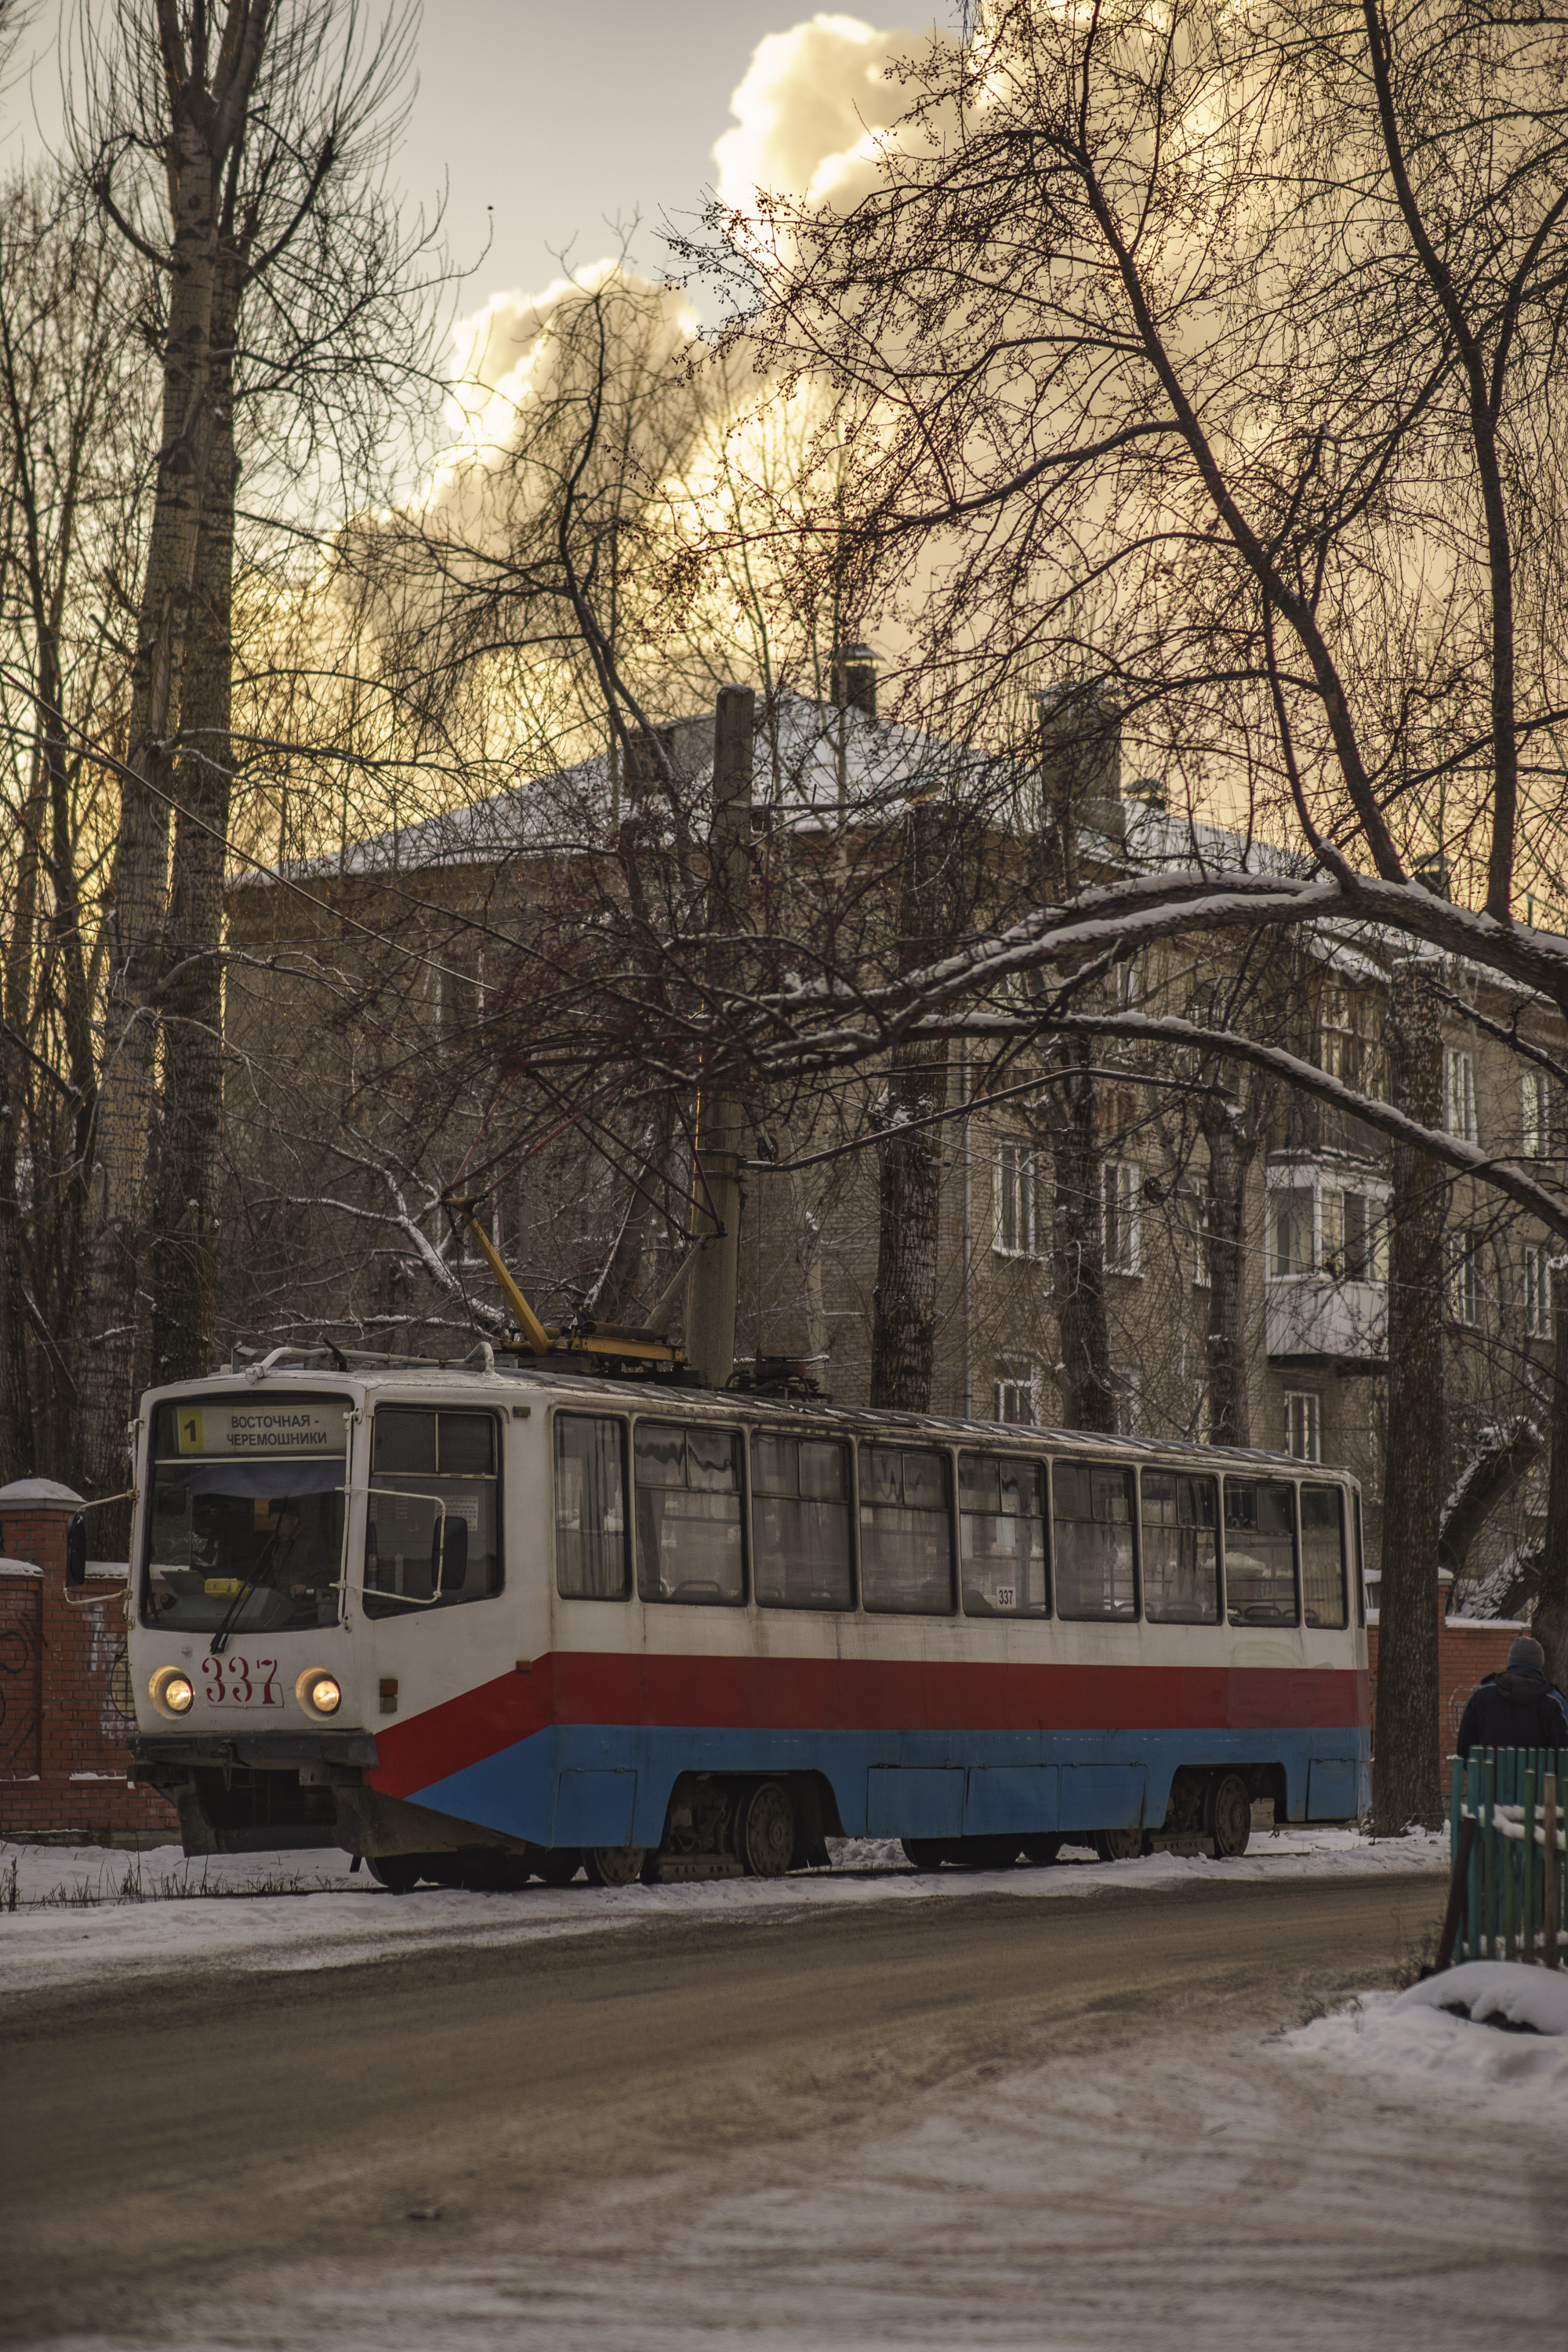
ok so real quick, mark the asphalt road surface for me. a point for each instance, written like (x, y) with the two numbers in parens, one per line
(169, 2148)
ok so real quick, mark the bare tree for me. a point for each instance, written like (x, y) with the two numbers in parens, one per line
(241, 151)
(74, 418)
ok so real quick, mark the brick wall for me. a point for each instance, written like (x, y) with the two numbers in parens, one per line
(1468, 1648)
(64, 1767)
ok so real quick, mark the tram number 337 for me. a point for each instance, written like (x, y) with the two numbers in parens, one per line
(241, 1682)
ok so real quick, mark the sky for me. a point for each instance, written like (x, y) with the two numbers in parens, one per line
(562, 118)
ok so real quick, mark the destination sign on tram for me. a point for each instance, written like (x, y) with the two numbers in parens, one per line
(267, 1427)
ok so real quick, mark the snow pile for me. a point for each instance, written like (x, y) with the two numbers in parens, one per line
(1445, 2032)
(1506, 1991)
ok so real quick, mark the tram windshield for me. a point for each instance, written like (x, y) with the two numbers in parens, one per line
(244, 1518)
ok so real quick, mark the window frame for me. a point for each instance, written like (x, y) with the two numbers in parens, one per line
(750, 1432)
(1331, 1487)
(1093, 1461)
(622, 1422)
(1184, 1470)
(1041, 1466)
(1128, 1212)
(1017, 1191)
(1535, 1119)
(739, 1432)
(1538, 1289)
(1459, 1089)
(1261, 1478)
(946, 1451)
(1029, 1382)
(1312, 1400)
(412, 1605)
(1465, 1287)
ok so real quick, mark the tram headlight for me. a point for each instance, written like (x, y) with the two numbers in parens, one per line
(172, 1692)
(319, 1693)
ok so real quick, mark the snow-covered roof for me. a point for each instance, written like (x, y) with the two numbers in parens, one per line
(813, 766)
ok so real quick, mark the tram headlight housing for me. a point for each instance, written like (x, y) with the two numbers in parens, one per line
(172, 1692)
(318, 1692)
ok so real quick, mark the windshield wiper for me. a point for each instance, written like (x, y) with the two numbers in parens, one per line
(219, 1640)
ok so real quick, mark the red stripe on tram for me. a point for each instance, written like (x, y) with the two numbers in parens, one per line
(857, 1695)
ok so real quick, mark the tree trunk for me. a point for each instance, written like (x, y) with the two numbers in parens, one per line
(1233, 1146)
(1088, 1400)
(909, 1161)
(126, 1100)
(1550, 1623)
(18, 1458)
(1406, 1776)
(909, 1205)
(185, 1216)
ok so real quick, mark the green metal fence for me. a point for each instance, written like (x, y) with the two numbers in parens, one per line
(1505, 1847)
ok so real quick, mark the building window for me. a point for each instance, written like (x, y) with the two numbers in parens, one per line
(1291, 1230)
(1123, 1197)
(1462, 1096)
(1202, 1199)
(1538, 1290)
(1535, 1087)
(1356, 1235)
(1465, 1278)
(1124, 1403)
(1014, 1195)
(1129, 986)
(1345, 1049)
(1015, 1400)
(1304, 1424)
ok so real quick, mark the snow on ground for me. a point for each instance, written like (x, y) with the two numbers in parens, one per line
(1158, 2184)
(82, 1912)
(1496, 2029)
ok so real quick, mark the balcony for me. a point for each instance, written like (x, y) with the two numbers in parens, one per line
(1316, 1319)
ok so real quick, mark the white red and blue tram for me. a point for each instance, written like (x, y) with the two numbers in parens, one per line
(478, 1624)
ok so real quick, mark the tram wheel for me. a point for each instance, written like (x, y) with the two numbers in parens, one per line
(1120, 1845)
(614, 1865)
(1229, 1812)
(767, 1826)
(1041, 1850)
(398, 1873)
(926, 1853)
(559, 1864)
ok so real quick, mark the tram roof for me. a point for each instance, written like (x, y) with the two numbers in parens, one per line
(482, 1372)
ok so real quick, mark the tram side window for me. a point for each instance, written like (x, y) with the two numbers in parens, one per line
(1002, 1536)
(1322, 1557)
(420, 1459)
(688, 1514)
(1093, 1515)
(592, 1561)
(905, 1532)
(800, 1523)
(1181, 1550)
(1260, 1552)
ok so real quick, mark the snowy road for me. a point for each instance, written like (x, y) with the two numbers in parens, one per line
(996, 2121)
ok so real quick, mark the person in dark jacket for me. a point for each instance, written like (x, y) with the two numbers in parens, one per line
(1517, 1708)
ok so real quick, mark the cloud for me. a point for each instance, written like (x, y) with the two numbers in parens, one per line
(809, 111)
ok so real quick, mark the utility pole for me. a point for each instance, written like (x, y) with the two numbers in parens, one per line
(716, 1218)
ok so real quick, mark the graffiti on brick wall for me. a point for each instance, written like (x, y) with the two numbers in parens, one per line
(21, 1681)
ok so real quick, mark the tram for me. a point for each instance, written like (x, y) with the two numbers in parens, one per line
(483, 1621)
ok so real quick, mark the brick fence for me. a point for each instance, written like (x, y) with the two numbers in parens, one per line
(1467, 1649)
(64, 1769)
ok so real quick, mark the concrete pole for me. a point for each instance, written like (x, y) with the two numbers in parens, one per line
(716, 1219)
